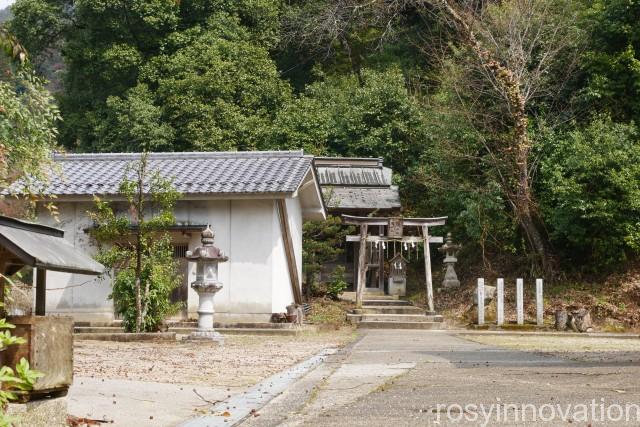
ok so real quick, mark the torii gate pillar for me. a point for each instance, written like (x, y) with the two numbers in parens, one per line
(427, 268)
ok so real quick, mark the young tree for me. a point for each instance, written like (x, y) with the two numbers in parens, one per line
(135, 248)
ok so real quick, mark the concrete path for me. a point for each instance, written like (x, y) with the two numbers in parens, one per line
(418, 378)
(140, 404)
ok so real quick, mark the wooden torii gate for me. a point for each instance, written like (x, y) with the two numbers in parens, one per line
(395, 227)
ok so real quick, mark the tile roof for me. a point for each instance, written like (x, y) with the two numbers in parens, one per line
(250, 172)
(352, 171)
(362, 198)
(362, 184)
(369, 177)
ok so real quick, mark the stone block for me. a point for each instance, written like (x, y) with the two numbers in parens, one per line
(489, 295)
(39, 413)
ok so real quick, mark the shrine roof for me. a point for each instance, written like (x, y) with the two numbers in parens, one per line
(357, 184)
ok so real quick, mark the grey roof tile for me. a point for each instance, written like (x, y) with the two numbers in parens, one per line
(357, 184)
(192, 173)
(362, 198)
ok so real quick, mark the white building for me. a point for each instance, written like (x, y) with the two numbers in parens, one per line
(255, 202)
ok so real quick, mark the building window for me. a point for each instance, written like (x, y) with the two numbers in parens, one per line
(180, 251)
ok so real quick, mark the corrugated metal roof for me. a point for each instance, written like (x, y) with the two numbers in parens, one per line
(191, 173)
(44, 247)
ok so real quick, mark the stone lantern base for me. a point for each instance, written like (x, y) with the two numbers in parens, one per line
(201, 335)
(205, 331)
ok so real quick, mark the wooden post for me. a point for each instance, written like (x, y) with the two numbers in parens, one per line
(520, 301)
(41, 291)
(427, 268)
(539, 303)
(480, 301)
(380, 260)
(289, 251)
(362, 265)
(500, 302)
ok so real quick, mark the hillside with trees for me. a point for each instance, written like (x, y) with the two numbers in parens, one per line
(517, 119)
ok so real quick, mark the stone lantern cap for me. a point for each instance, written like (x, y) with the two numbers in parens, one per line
(450, 249)
(207, 251)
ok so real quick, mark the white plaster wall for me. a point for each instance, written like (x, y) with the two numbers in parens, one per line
(255, 279)
(244, 232)
(294, 209)
(86, 297)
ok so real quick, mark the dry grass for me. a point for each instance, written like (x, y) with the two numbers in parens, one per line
(329, 314)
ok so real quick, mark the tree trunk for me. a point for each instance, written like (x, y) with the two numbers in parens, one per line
(138, 284)
(521, 196)
(561, 320)
(139, 212)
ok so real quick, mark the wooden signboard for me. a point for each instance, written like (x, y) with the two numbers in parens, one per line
(395, 228)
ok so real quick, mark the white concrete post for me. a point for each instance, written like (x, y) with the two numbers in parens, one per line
(500, 302)
(480, 301)
(520, 301)
(539, 303)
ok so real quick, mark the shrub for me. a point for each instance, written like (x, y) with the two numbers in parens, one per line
(590, 193)
(337, 285)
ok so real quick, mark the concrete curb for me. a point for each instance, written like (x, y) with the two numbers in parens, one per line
(127, 337)
(611, 335)
(239, 407)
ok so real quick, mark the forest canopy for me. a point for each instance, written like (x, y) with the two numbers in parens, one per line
(516, 118)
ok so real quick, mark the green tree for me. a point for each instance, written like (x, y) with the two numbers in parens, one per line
(27, 119)
(220, 91)
(611, 63)
(590, 193)
(323, 241)
(27, 136)
(135, 248)
(371, 115)
(161, 74)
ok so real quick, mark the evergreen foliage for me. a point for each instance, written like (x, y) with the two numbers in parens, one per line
(399, 80)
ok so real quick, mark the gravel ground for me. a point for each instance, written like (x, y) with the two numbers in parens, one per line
(575, 348)
(242, 361)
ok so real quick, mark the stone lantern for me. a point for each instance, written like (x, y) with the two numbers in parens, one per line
(450, 250)
(206, 284)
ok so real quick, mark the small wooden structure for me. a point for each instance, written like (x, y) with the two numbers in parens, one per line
(49, 340)
(395, 233)
(398, 275)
